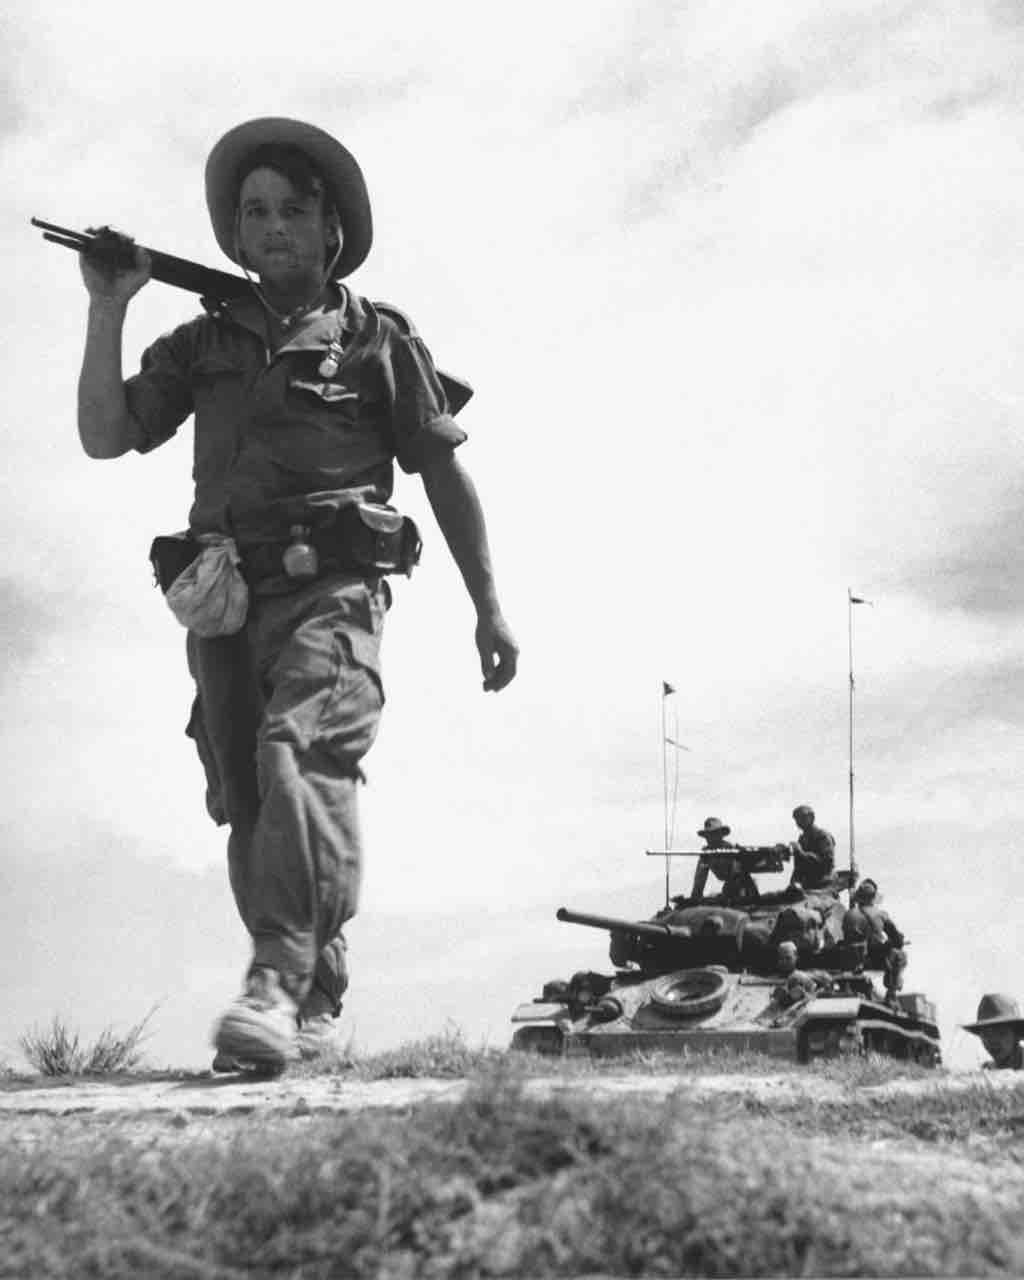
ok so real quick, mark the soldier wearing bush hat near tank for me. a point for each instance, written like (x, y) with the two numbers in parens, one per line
(714, 833)
(305, 394)
(1000, 1027)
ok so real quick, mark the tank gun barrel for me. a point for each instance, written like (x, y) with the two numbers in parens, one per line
(642, 928)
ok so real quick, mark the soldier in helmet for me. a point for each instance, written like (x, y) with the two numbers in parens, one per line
(814, 853)
(867, 922)
(1000, 1028)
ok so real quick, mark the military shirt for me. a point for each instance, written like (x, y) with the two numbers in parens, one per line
(814, 860)
(272, 428)
(871, 924)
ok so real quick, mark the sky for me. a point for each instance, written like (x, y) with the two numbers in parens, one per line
(737, 290)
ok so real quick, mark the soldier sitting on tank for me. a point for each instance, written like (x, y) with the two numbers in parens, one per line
(737, 883)
(798, 984)
(814, 854)
(1000, 1028)
(801, 926)
(867, 922)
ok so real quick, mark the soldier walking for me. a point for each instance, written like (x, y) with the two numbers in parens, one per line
(305, 395)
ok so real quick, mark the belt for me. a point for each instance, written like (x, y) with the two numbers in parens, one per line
(349, 545)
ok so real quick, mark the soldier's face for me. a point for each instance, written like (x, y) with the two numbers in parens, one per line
(281, 232)
(1000, 1043)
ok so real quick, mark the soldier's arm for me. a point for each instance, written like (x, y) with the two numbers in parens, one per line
(105, 427)
(457, 508)
(894, 935)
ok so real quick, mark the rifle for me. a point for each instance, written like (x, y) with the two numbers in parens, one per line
(113, 250)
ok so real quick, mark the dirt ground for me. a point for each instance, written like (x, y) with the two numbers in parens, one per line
(141, 1096)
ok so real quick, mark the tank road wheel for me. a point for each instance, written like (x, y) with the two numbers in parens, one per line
(694, 993)
(546, 1040)
(829, 1040)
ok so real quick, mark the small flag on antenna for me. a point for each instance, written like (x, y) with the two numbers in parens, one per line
(860, 600)
(667, 688)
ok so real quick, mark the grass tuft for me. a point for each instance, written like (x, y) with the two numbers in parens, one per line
(445, 1055)
(59, 1050)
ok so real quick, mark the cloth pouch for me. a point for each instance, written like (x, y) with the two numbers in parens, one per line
(210, 597)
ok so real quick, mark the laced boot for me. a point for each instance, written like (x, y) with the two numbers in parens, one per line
(258, 1031)
(317, 1020)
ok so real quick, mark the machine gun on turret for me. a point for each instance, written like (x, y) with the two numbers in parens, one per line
(734, 865)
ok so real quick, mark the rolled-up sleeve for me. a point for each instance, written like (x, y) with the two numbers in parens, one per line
(159, 397)
(421, 421)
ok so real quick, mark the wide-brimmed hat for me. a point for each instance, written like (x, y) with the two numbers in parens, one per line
(714, 826)
(996, 1010)
(346, 187)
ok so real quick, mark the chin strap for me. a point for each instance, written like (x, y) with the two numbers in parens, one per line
(286, 318)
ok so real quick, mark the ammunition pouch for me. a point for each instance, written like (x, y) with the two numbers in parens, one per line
(170, 555)
(376, 537)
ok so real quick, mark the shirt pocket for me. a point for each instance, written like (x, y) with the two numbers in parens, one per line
(323, 392)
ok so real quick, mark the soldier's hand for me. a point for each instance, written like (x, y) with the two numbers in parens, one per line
(114, 269)
(498, 651)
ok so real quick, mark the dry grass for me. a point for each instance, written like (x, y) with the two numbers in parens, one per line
(505, 1184)
(59, 1050)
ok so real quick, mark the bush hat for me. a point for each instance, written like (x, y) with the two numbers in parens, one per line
(346, 187)
(714, 826)
(996, 1010)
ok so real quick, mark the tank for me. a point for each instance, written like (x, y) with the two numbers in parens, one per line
(710, 972)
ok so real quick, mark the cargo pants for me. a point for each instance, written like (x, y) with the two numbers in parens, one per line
(284, 712)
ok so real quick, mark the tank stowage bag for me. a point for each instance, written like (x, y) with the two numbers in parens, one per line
(691, 993)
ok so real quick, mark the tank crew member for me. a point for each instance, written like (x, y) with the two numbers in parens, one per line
(304, 394)
(798, 984)
(713, 833)
(1000, 1027)
(736, 882)
(802, 926)
(867, 922)
(814, 853)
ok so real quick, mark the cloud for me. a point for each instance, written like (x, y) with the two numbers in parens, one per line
(688, 87)
(978, 568)
(27, 619)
